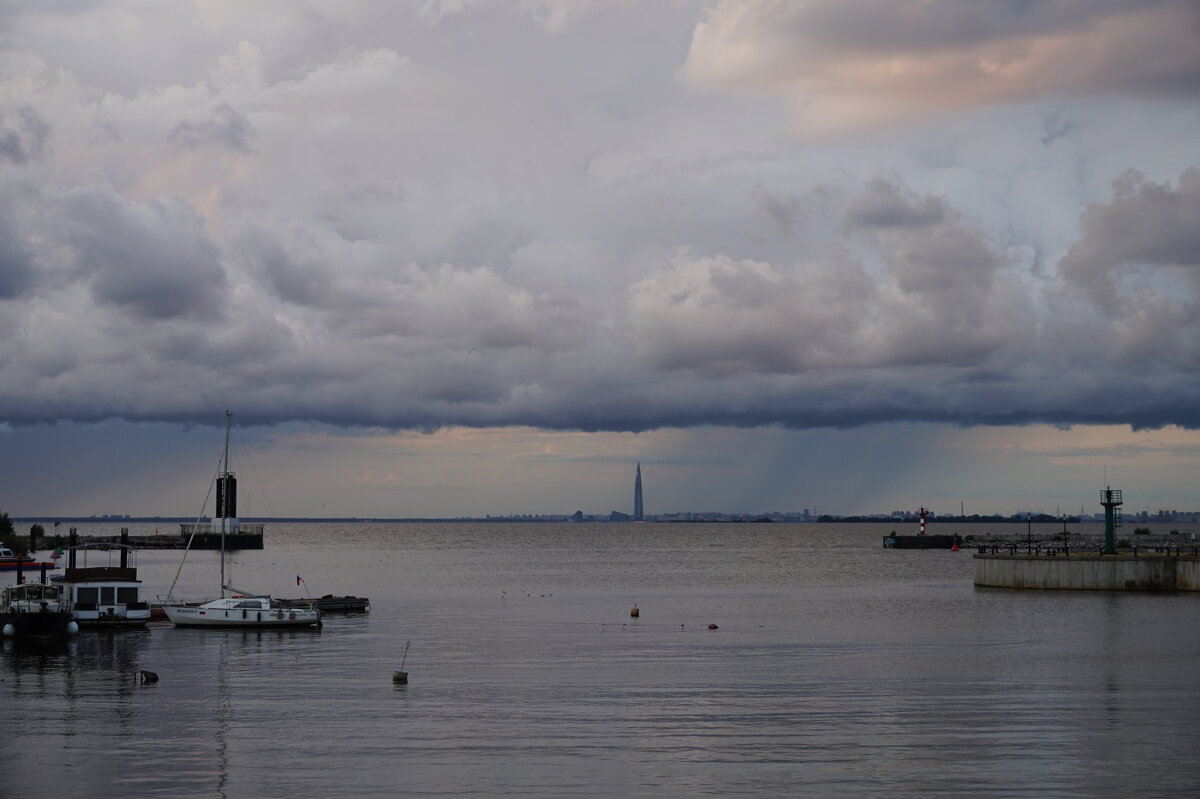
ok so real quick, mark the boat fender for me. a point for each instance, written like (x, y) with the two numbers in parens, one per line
(292, 615)
(260, 615)
(243, 613)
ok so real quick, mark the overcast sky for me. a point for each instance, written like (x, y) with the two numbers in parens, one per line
(473, 256)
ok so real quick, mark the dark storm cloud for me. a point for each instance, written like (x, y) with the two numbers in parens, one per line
(16, 266)
(881, 25)
(888, 204)
(224, 127)
(1139, 261)
(1146, 224)
(426, 227)
(24, 135)
(155, 259)
(914, 284)
(299, 274)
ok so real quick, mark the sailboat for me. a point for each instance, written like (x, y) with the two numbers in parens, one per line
(240, 608)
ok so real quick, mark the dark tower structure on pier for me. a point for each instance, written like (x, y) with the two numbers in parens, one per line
(637, 495)
(1110, 498)
(227, 496)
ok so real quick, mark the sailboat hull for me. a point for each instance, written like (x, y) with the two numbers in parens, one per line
(245, 612)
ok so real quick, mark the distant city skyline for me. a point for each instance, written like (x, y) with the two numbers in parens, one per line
(70, 470)
(1165, 516)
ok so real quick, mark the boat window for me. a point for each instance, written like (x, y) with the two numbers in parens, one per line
(127, 594)
(91, 595)
(248, 603)
(107, 594)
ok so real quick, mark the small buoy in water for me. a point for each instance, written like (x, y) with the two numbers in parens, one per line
(634, 613)
(712, 626)
(955, 547)
(72, 627)
(400, 675)
(9, 631)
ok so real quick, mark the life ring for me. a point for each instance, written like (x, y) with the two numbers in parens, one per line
(888, 542)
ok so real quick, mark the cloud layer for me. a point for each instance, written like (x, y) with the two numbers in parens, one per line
(459, 213)
(844, 66)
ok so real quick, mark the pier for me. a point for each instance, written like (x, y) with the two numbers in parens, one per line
(1095, 570)
(1063, 564)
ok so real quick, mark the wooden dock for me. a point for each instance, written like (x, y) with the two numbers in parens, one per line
(138, 541)
(332, 604)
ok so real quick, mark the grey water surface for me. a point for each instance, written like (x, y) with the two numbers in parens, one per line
(838, 668)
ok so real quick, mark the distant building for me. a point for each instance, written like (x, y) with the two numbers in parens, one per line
(638, 514)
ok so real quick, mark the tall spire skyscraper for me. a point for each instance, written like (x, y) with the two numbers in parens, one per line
(637, 494)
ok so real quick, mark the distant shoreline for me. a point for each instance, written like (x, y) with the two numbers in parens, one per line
(48, 521)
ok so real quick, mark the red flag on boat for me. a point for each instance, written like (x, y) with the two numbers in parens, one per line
(297, 579)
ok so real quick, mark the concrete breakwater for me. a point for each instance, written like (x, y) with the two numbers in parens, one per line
(1090, 572)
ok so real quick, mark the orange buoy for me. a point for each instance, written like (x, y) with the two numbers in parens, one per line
(634, 613)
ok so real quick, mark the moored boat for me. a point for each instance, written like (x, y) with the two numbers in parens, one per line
(35, 611)
(104, 596)
(243, 608)
(11, 561)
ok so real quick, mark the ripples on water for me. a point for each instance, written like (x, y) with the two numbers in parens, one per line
(839, 668)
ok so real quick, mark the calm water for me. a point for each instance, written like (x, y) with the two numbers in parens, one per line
(839, 668)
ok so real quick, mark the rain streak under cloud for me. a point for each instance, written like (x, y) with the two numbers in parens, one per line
(601, 216)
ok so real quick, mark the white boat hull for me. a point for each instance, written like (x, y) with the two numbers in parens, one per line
(114, 618)
(246, 612)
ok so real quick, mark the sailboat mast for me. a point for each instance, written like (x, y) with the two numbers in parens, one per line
(225, 487)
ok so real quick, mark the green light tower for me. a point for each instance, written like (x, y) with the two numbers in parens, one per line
(1111, 500)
